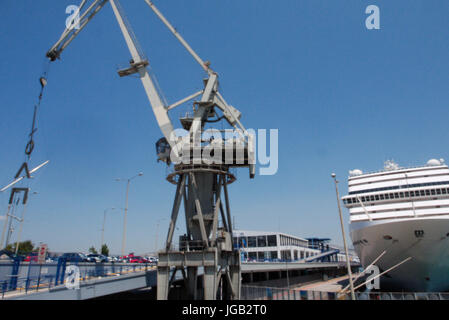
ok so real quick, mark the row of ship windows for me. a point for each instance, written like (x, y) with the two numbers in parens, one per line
(406, 186)
(397, 195)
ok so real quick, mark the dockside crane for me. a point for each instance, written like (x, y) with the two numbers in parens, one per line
(200, 181)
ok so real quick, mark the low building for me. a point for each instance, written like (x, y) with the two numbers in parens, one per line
(278, 246)
(272, 246)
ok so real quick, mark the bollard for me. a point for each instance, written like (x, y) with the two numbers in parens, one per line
(39, 278)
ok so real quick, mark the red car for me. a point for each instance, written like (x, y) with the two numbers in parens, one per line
(137, 259)
(32, 257)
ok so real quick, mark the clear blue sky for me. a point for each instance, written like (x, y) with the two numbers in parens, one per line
(342, 97)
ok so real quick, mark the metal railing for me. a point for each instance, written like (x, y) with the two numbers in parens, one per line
(268, 293)
(30, 277)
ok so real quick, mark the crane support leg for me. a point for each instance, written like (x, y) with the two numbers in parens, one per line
(207, 245)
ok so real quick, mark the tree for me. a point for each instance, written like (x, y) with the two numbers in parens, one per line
(104, 250)
(93, 250)
(25, 247)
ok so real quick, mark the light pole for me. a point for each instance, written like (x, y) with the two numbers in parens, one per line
(157, 234)
(344, 237)
(126, 209)
(21, 223)
(102, 229)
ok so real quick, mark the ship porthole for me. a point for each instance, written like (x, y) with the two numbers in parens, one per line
(388, 237)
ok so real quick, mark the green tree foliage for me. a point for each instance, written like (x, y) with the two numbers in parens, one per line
(25, 247)
(104, 250)
(93, 250)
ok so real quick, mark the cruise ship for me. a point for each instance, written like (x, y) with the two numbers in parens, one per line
(404, 212)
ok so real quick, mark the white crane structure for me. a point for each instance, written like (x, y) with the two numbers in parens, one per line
(207, 244)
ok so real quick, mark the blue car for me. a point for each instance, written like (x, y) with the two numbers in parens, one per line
(74, 257)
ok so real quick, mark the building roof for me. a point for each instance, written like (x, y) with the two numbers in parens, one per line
(253, 233)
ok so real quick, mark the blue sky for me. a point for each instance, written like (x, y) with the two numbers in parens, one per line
(342, 97)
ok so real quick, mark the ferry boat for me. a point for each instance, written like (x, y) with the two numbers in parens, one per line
(404, 212)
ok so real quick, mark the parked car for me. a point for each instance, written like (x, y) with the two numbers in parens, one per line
(31, 258)
(127, 259)
(93, 257)
(51, 259)
(137, 259)
(74, 257)
(152, 259)
(109, 259)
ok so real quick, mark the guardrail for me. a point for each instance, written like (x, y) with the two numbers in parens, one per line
(268, 293)
(25, 277)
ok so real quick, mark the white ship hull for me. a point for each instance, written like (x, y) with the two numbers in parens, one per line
(428, 269)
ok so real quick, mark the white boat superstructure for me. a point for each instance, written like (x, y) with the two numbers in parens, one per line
(405, 212)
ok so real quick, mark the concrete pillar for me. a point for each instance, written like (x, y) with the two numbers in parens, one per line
(210, 286)
(163, 277)
(236, 280)
(192, 282)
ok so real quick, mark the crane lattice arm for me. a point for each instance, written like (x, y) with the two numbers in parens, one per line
(210, 97)
(72, 31)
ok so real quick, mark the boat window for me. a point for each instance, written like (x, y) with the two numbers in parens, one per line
(381, 197)
(443, 191)
(406, 194)
(432, 192)
(371, 198)
(422, 192)
(377, 197)
(427, 192)
(396, 195)
(412, 194)
(363, 199)
(391, 196)
(438, 191)
(401, 194)
(386, 196)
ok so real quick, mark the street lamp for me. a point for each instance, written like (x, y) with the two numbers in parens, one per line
(344, 237)
(21, 223)
(126, 208)
(102, 229)
(157, 234)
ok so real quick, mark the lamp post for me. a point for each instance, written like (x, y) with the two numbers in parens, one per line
(344, 237)
(102, 229)
(126, 209)
(157, 234)
(21, 223)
